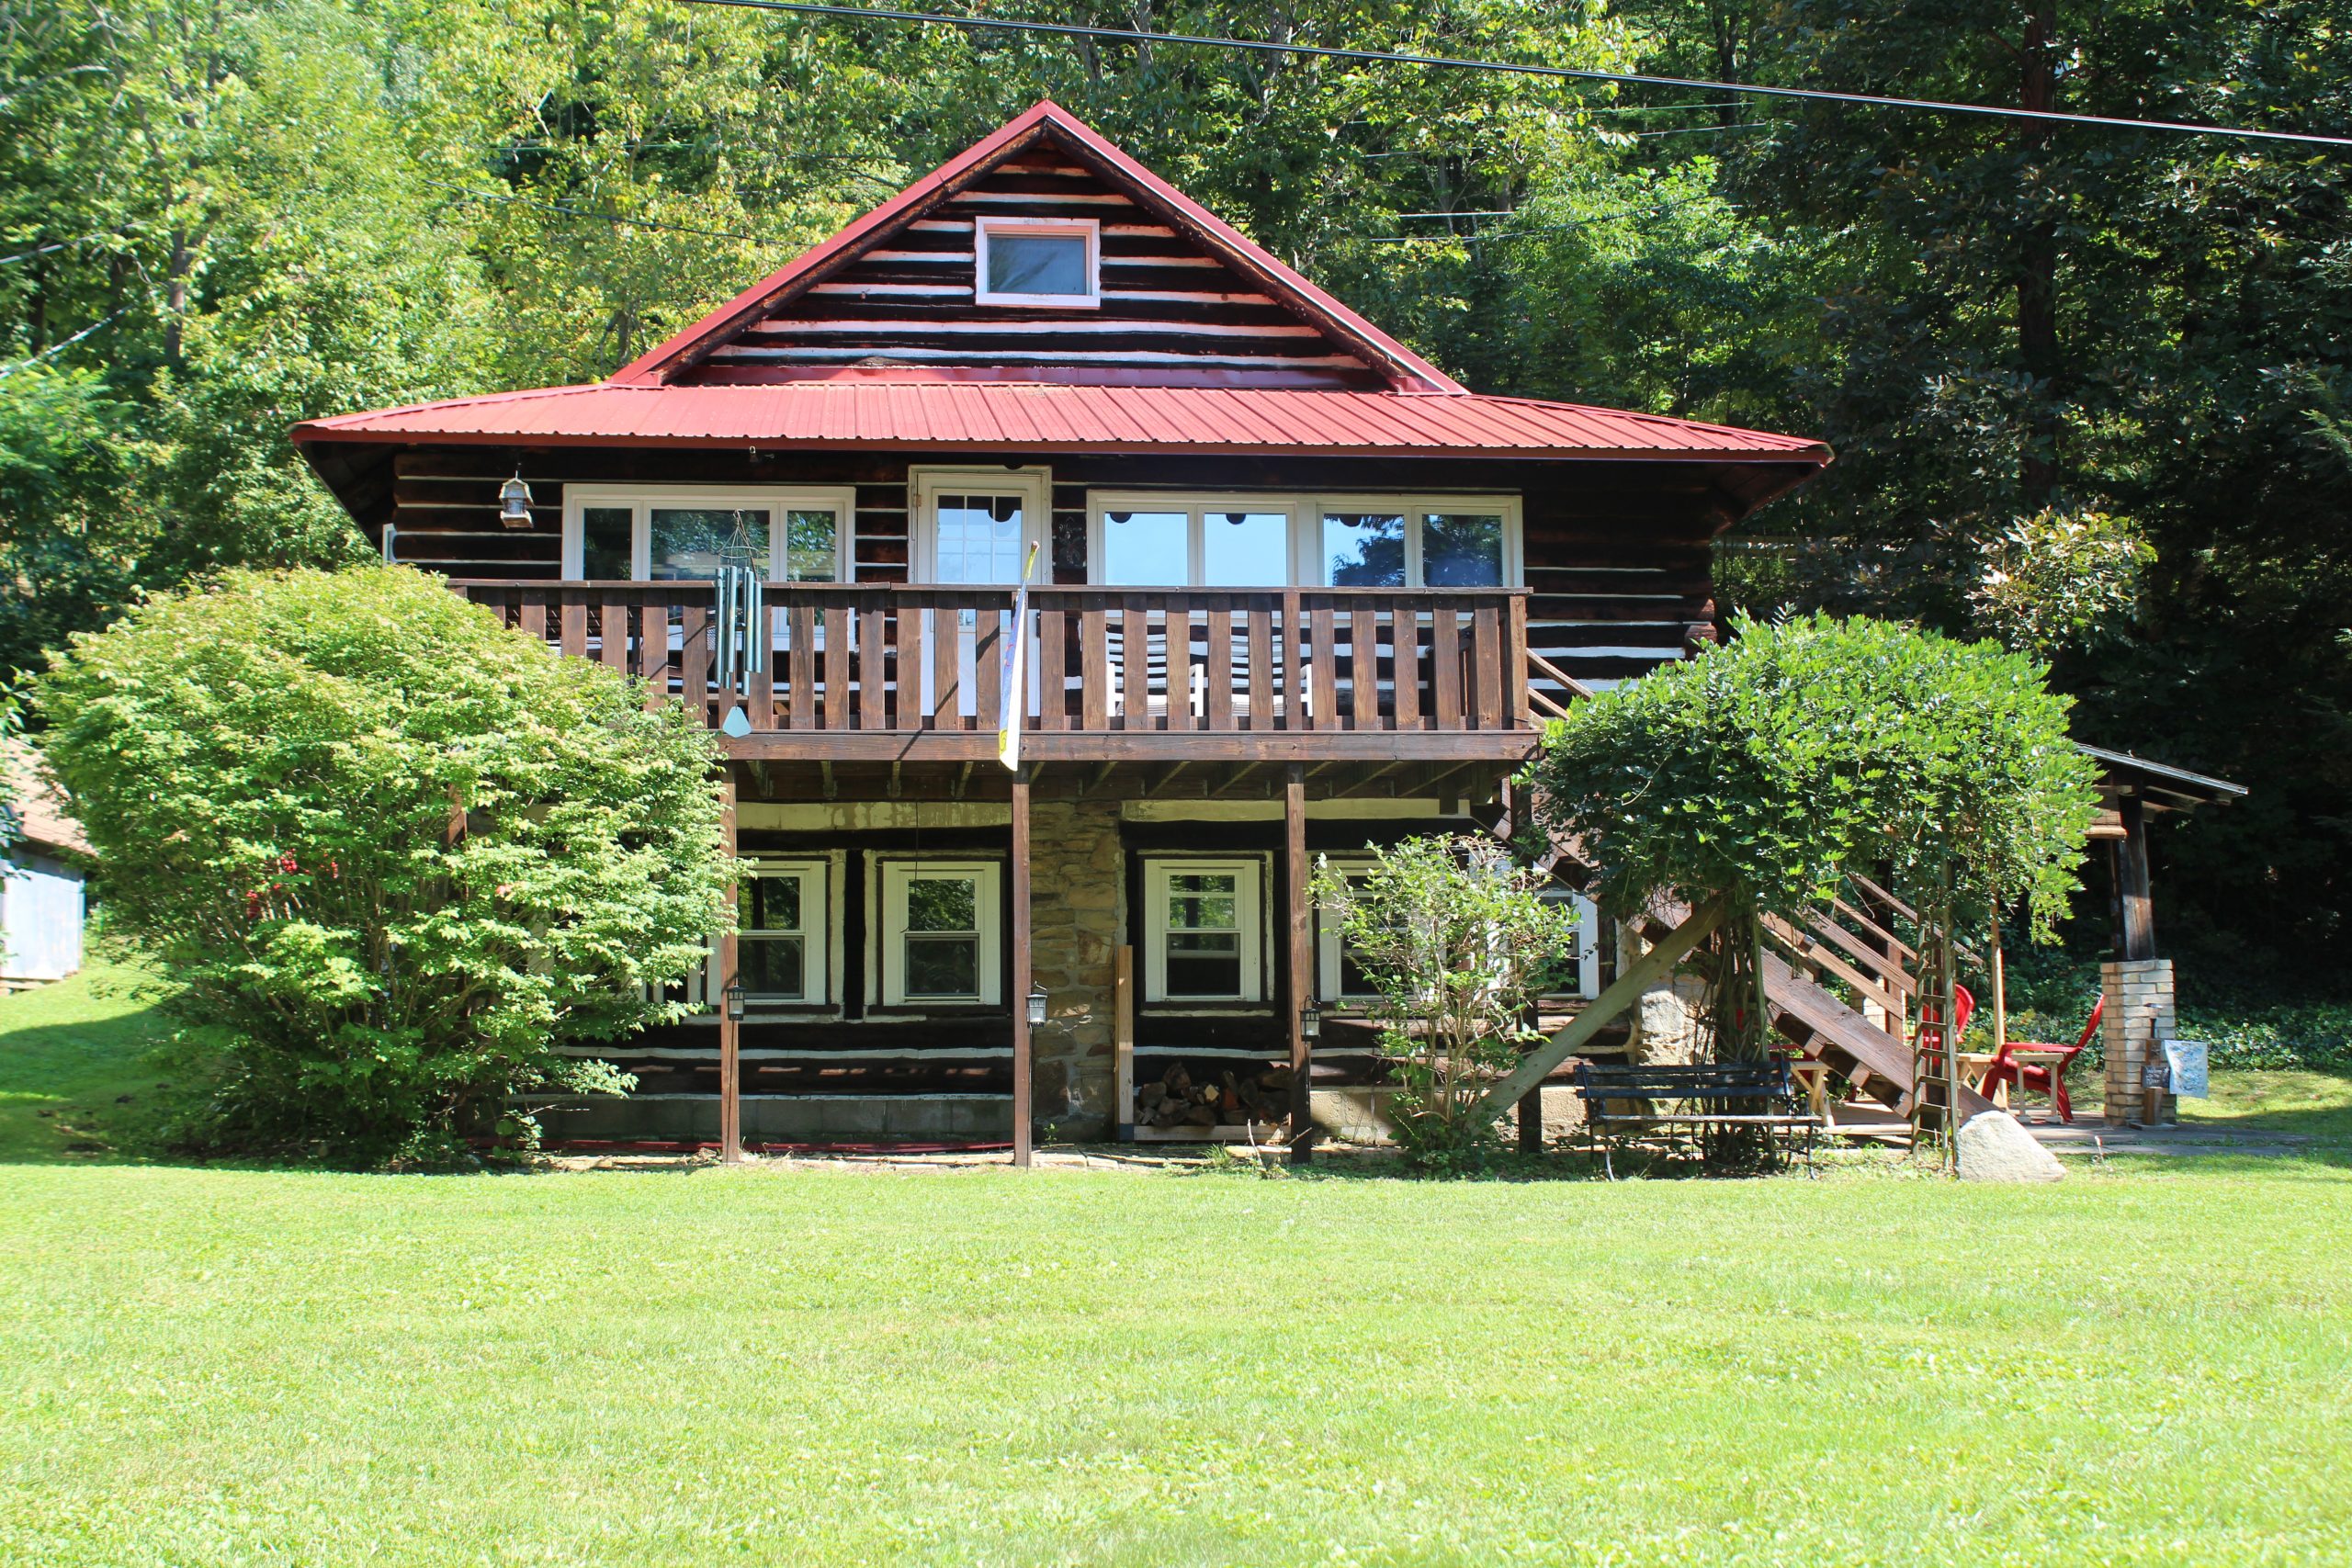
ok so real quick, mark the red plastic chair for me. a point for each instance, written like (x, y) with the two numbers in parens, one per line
(1962, 1004)
(2048, 1078)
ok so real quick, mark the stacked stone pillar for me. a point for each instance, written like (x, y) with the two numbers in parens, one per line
(2139, 1016)
(1076, 888)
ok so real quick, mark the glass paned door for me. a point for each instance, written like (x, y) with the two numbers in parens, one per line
(976, 539)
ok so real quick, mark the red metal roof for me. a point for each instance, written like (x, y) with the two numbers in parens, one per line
(1030, 417)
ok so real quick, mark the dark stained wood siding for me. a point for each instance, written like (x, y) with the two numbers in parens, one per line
(1167, 304)
(1616, 554)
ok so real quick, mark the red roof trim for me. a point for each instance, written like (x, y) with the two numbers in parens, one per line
(679, 351)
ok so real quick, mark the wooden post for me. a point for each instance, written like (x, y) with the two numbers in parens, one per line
(2131, 881)
(730, 1051)
(1022, 1092)
(1122, 1045)
(2000, 986)
(1301, 989)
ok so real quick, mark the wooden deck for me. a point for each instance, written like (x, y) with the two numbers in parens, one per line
(875, 672)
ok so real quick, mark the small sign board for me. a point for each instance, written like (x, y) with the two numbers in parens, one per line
(2187, 1061)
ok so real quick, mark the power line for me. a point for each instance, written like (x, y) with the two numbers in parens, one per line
(57, 348)
(1560, 73)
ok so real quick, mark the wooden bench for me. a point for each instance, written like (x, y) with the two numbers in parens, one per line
(1695, 1100)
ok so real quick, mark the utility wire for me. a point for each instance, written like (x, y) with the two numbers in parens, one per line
(57, 348)
(1561, 72)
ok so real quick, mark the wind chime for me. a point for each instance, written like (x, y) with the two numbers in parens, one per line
(742, 623)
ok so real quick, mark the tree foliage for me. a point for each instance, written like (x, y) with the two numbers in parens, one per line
(1458, 941)
(1770, 768)
(392, 854)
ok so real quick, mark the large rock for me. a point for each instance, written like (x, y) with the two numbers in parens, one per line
(1993, 1147)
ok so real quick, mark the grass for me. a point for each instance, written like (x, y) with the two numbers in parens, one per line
(2146, 1363)
(73, 1082)
(2318, 1105)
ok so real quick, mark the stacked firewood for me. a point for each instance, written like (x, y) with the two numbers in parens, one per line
(1179, 1099)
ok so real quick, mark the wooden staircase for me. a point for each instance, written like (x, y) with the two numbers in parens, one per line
(1852, 943)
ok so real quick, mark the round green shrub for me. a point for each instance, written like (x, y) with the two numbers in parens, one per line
(392, 855)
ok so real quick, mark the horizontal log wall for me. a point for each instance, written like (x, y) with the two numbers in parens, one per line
(1166, 304)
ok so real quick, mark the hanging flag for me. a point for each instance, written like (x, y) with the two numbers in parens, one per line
(1014, 703)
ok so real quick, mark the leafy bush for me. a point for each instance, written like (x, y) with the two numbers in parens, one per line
(392, 854)
(1760, 773)
(1800, 749)
(1457, 941)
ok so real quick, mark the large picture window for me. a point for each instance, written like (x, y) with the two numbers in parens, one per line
(1149, 539)
(1235, 541)
(942, 932)
(1426, 542)
(1203, 936)
(645, 534)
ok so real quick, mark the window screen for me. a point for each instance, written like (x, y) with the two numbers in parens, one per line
(1037, 263)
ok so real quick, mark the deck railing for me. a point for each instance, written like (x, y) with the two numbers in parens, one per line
(894, 657)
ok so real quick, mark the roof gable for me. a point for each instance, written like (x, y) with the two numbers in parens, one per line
(1187, 299)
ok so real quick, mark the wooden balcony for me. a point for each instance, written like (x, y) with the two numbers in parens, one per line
(898, 673)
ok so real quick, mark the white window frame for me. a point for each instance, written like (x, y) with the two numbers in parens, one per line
(1086, 229)
(1328, 939)
(890, 926)
(1248, 914)
(1100, 505)
(840, 499)
(1035, 486)
(1305, 512)
(818, 886)
(1312, 568)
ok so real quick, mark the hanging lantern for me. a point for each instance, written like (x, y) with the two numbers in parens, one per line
(514, 501)
(1037, 1000)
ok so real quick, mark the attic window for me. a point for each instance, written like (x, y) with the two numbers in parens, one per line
(1029, 260)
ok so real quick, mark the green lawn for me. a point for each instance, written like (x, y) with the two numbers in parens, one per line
(69, 1056)
(2149, 1362)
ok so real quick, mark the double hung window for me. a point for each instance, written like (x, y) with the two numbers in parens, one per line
(942, 932)
(783, 919)
(1204, 942)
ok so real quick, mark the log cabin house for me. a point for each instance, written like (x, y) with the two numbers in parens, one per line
(1296, 591)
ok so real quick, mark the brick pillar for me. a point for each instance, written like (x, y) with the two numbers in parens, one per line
(1077, 901)
(2139, 1014)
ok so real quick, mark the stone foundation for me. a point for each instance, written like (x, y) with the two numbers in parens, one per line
(2139, 1014)
(1077, 905)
